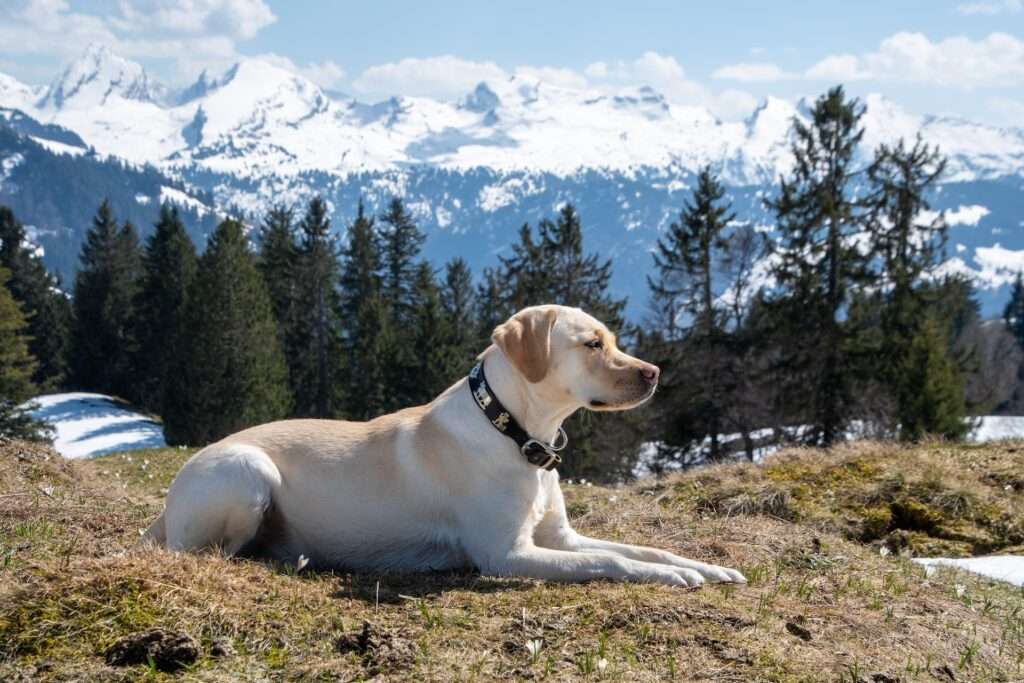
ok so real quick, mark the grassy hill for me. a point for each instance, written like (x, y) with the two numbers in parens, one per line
(823, 537)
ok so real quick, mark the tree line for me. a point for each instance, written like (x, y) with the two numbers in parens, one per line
(860, 333)
(843, 325)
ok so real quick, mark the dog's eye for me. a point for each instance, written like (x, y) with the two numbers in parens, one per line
(594, 344)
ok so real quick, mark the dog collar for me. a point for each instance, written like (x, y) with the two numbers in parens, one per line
(536, 452)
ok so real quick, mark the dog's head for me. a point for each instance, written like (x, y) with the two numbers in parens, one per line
(572, 354)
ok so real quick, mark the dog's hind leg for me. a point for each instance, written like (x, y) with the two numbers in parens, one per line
(156, 534)
(219, 498)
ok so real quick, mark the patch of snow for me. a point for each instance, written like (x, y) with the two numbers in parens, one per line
(8, 165)
(1009, 568)
(996, 427)
(142, 199)
(58, 147)
(175, 196)
(87, 425)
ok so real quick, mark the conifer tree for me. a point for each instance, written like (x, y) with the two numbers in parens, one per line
(1013, 314)
(400, 242)
(277, 253)
(45, 306)
(907, 250)
(231, 372)
(368, 389)
(459, 300)
(169, 266)
(691, 262)
(361, 262)
(434, 366)
(819, 264)
(492, 306)
(102, 347)
(524, 274)
(16, 368)
(367, 340)
(931, 398)
(315, 346)
(575, 278)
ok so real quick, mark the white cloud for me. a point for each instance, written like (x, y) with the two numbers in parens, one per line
(838, 68)
(991, 7)
(450, 77)
(563, 77)
(194, 33)
(445, 77)
(996, 60)
(666, 75)
(965, 214)
(234, 18)
(326, 74)
(752, 72)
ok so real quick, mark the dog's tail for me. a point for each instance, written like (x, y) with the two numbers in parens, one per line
(156, 534)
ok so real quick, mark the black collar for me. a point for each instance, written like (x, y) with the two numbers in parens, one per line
(536, 452)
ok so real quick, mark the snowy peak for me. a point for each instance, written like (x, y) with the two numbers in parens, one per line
(96, 76)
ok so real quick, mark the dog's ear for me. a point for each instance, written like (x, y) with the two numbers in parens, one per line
(526, 340)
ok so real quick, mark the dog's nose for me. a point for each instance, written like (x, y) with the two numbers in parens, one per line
(650, 373)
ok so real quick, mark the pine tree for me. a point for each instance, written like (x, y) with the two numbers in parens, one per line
(361, 262)
(492, 306)
(459, 300)
(368, 388)
(231, 371)
(277, 253)
(524, 274)
(16, 368)
(102, 348)
(45, 306)
(367, 340)
(907, 250)
(1013, 314)
(691, 263)
(434, 367)
(315, 347)
(818, 264)
(931, 395)
(401, 242)
(168, 269)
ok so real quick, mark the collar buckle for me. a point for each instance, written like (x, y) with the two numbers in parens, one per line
(533, 448)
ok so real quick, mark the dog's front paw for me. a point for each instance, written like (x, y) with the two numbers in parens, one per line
(712, 572)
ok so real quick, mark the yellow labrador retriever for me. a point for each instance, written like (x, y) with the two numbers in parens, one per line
(465, 481)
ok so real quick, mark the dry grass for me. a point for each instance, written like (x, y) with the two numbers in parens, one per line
(822, 604)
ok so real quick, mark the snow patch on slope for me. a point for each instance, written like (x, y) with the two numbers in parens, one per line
(1008, 568)
(87, 425)
(175, 196)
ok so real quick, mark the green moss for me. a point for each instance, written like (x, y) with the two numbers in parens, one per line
(913, 515)
(89, 618)
(875, 522)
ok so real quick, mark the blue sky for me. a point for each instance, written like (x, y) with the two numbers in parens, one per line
(961, 57)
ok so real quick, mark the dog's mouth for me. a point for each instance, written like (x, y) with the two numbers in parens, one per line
(632, 402)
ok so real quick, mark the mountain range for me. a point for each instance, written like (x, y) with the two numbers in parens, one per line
(471, 170)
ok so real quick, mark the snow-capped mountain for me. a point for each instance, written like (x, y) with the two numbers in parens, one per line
(96, 77)
(474, 169)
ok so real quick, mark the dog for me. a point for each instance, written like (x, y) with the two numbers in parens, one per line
(466, 481)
